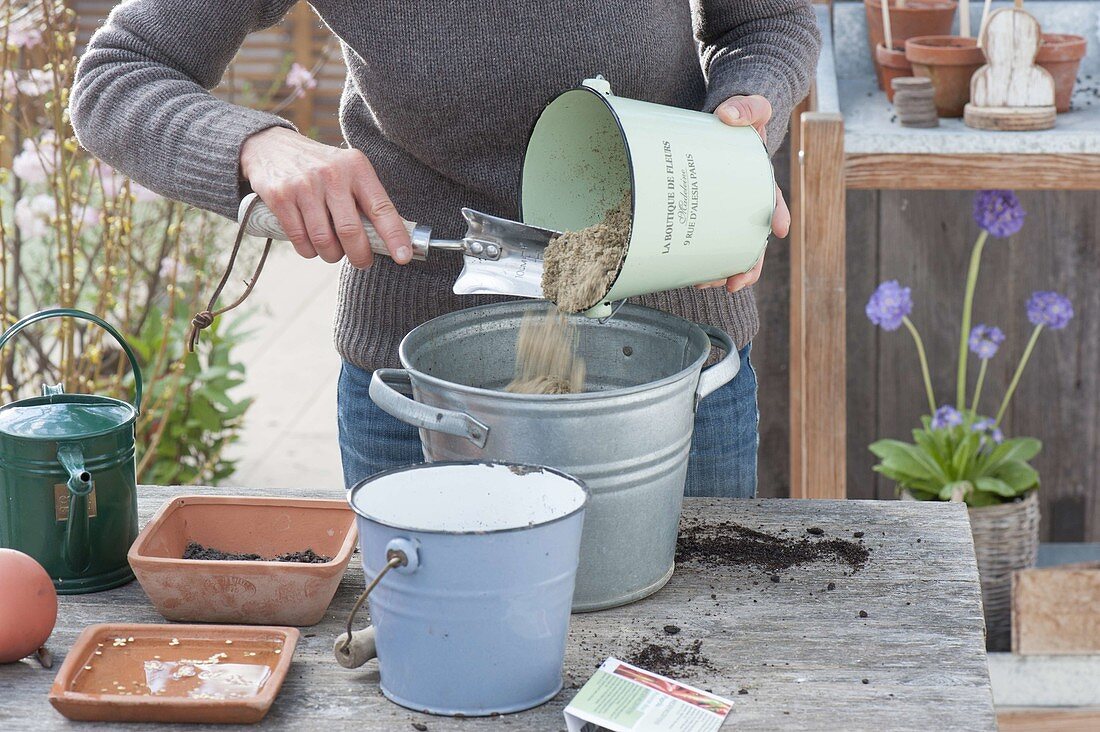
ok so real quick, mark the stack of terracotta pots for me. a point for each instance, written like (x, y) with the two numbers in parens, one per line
(923, 46)
(909, 19)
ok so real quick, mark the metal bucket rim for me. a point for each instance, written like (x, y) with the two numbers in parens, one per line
(70, 399)
(686, 372)
(478, 532)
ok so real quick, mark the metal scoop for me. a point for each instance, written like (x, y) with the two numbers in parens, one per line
(499, 256)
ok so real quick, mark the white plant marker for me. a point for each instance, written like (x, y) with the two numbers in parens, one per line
(985, 19)
(886, 34)
(964, 18)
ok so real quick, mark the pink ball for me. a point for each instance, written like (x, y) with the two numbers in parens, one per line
(28, 605)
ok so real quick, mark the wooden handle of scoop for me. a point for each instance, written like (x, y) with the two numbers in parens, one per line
(262, 223)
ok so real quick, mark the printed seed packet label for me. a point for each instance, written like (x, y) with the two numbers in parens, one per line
(624, 698)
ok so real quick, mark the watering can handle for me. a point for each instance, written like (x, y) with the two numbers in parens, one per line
(410, 411)
(81, 315)
(261, 222)
(719, 374)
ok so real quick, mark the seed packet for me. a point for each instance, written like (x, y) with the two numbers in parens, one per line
(624, 698)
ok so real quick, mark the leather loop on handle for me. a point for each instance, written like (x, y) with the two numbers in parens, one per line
(262, 222)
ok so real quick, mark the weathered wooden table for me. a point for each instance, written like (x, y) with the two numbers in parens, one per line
(791, 654)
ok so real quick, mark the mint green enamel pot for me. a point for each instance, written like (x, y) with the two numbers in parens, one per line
(703, 193)
(68, 489)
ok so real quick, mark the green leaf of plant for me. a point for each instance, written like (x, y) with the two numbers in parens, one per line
(906, 459)
(1017, 448)
(1018, 474)
(995, 485)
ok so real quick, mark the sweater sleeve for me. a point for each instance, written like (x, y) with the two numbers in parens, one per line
(141, 99)
(765, 47)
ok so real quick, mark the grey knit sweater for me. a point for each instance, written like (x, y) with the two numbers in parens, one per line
(440, 96)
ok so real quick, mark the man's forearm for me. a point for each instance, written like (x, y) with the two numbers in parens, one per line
(140, 100)
(765, 47)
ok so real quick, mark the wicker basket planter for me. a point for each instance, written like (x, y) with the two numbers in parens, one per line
(1006, 538)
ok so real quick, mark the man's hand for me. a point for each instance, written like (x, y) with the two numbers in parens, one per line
(753, 111)
(317, 191)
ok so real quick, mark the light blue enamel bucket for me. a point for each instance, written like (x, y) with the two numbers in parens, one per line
(471, 569)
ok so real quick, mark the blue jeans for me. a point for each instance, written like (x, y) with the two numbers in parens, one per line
(723, 448)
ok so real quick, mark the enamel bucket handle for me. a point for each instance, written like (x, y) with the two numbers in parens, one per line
(719, 374)
(384, 393)
(356, 647)
(81, 315)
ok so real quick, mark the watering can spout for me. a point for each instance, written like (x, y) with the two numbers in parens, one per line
(80, 485)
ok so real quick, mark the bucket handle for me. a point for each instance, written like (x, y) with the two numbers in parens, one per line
(719, 374)
(81, 315)
(357, 647)
(384, 393)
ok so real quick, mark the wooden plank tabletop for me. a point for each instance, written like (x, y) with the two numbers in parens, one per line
(791, 654)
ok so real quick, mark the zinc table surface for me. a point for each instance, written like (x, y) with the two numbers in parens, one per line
(791, 655)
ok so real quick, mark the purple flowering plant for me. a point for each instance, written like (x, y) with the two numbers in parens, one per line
(959, 454)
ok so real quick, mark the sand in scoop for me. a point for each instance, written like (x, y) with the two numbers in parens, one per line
(579, 267)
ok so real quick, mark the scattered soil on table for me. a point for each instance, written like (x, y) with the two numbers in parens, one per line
(668, 661)
(672, 629)
(196, 550)
(729, 543)
(579, 267)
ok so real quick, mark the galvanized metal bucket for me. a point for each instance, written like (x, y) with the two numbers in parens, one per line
(703, 192)
(68, 491)
(472, 619)
(627, 438)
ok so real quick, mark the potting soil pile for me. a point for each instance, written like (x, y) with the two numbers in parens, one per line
(546, 356)
(579, 267)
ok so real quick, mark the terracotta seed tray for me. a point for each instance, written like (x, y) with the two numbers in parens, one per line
(209, 674)
(253, 592)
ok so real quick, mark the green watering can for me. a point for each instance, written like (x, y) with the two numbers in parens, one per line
(68, 489)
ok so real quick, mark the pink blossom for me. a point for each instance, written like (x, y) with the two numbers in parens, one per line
(37, 83)
(22, 32)
(173, 269)
(36, 162)
(142, 194)
(34, 216)
(9, 84)
(299, 78)
(113, 181)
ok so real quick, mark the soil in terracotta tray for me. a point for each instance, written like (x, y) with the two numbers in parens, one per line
(196, 550)
(189, 668)
(729, 543)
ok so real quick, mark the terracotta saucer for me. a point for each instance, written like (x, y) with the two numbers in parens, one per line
(207, 674)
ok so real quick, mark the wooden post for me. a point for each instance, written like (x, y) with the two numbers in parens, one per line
(301, 30)
(796, 245)
(818, 311)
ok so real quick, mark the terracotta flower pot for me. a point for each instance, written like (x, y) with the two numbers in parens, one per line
(241, 591)
(917, 18)
(949, 61)
(1061, 54)
(892, 65)
(1006, 539)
